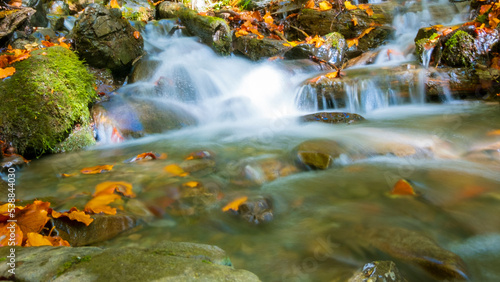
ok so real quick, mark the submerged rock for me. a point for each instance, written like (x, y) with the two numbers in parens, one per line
(378, 271)
(41, 102)
(317, 154)
(105, 40)
(168, 261)
(256, 211)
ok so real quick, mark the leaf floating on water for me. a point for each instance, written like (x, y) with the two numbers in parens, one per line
(146, 157)
(66, 175)
(233, 205)
(74, 214)
(191, 184)
(175, 170)
(100, 204)
(403, 188)
(110, 187)
(354, 20)
(96, 169)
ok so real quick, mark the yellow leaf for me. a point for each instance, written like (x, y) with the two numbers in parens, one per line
(96, 169)
(332, 74)
(175, 170)
(351, 42)
(233, 205)
(349, 6)
(74, 214)
(6, 72)
(110, 187)
(241, 32)
(268, 19)
(100, 204)
(366, 8)
(191, 184)
(325, 6)
(494, 132)
(35, 240)
(354, 20)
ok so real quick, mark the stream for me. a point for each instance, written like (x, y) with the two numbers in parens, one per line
(321, 225)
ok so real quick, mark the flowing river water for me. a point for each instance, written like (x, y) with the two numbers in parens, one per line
(325, 223)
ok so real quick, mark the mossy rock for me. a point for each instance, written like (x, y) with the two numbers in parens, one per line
(256, 49)
(460, 50)
(49, 93)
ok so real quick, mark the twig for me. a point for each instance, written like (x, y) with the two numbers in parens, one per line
(300, 30)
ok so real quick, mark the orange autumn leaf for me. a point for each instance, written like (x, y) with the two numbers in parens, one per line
(144, 157)
(6, 72)
(33, 217)
(114, 4)
(191, 184)
(100, 204)
(366, 8)
(354, 20)
(6, 229)
(48, 43)
(62, 43)
(4, 61)
(366, 31)
(484, 9)
(316, 40)
(493, 132)
(332, 74)
(240, 32)
(325, 6)
(74, 214)
(310, 4)
(403, 187)
(268, 19)
(349, 6)
(110, 187)
(96, 169)
(175, 170)
(36, 240)
(234, 204)
(57, 241)
(351, 42)
(137, 34)
(314, 80)
(66, 175)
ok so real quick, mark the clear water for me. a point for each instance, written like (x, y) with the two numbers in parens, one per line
(323, 220)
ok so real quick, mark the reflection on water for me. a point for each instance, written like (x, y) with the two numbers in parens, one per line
(326, 223)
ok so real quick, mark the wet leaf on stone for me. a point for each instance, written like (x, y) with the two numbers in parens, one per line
(36, 240)
(110, 187)
(325, 6)
(332, 74)
(191, 184)
(349, 6)
(310, 4)
(234, 204)
(366, 8)
(33, 217)
(6, 72)
(146, 157)
(137, 34)
(74, 214)
(96, 169)
(6, 231)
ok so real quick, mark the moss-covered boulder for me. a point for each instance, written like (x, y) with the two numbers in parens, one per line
(49, 93)
(459, 50)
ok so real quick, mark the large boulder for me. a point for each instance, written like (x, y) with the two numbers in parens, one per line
(168, 261)
(105, 40)
(48, 94)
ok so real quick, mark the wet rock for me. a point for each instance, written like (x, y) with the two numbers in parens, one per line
(488, 153)
(143, 70)
(80, 138)
(14, 161)
(56, 23)
(200, 166)
(459, 50)
(213, 31)
(256, 211)
(104, 81)
(367, 58)
(317, 154)
(322, 23)
(105, 40)
(375, 38)
(257, 49)
(39, 18)
(378, 271)
(266, 170)
(332, 51)
(11, 21)
(60, 101)
(414, 248)
(104, 227)
(328, 117)
(173, 261)
(59, 8)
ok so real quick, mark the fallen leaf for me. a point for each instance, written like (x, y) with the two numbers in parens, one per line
(137, 34)
(354, 20)
(57, 241)
(36, 240)
(493, 132)
(175, 170)
(240, 32)
(191, 184)
(349, 6)
(6, 72)
(332, 74)
(74, 214)
(110, 187)
(325, 6)
(114, 4)
(33, 217)
(96, 169)
(144, 157)
(234, 204)
(62, 43)
(6, 231)
(484, 9)
(351, 42)
(99, 204)
(403, 187)
(268, 19)
(366, 8)
(310, 4)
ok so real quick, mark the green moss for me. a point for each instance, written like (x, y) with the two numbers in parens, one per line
(459, 49)
(47, 95)
(74, 260)
(77, 140)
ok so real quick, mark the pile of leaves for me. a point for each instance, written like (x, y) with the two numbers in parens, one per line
(9, 56)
